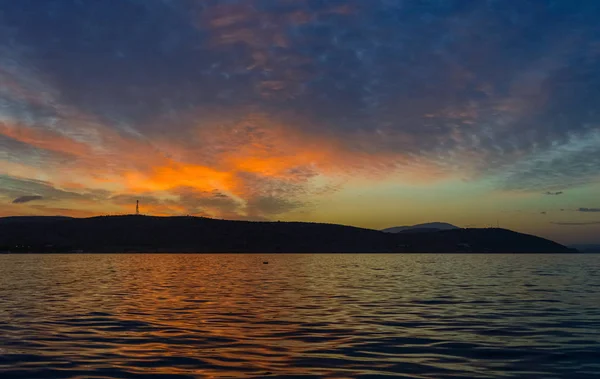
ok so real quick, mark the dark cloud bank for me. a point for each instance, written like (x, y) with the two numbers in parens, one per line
(26, 199)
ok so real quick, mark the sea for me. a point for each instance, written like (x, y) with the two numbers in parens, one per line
(299, 316)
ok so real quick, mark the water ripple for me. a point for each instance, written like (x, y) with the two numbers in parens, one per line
(301, 316)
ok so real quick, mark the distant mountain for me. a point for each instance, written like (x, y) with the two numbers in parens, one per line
(428, 227)
(587, 248)
(205, 235)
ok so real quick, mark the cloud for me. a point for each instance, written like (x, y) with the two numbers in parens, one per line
(577, 223)
(279, 59)
(56, 211)
(268, 105)
(44, 139)
(213, 203)
(573, 162)
(13, 187)
(588, 210)
(268, 205)
(26, 199)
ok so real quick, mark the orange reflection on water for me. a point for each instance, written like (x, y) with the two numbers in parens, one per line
(329, 316)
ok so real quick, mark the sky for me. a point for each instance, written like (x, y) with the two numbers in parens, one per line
(373, 113)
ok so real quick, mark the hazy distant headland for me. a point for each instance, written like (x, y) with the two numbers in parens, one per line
(204, 235)
(587, 248)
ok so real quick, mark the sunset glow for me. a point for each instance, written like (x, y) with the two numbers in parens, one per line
(369, 113)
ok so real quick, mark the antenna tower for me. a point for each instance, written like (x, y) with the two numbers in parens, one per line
(137, 207)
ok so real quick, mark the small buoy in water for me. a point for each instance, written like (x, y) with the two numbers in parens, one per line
(265, 263)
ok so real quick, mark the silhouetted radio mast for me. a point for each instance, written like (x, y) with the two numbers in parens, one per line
(137, 207)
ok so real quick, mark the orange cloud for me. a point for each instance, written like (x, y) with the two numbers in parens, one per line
(44, 139)
(71, 212)
(9, 209)
(253, 157)
(261, 145)
(175, 174)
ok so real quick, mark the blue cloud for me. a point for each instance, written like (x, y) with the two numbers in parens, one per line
(500, 90)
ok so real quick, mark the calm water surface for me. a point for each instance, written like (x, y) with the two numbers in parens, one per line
(320, 316)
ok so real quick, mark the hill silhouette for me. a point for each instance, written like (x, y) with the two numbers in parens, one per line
(430, 226)
(196, 234)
